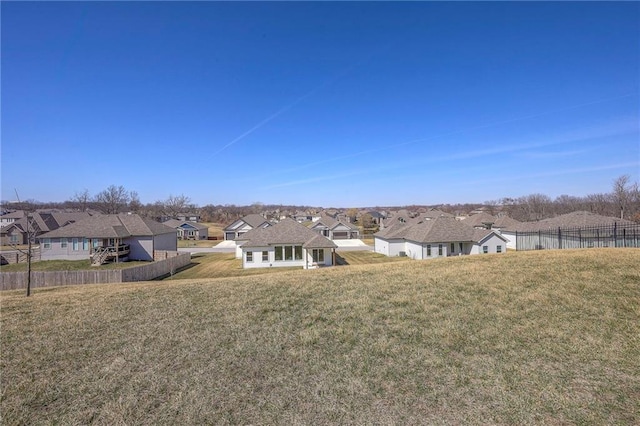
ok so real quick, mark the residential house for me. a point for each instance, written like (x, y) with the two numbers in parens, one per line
(188, 217)
(10, 217)
(438, 237)
(38, 223)
(335, 229)
(245, 224)
(480, 221)
(81, 239)
(188, 230)
(287, 243)
(574, 220)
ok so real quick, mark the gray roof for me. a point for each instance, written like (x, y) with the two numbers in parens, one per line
(578, 219)
(479, 219)
(287, 231)
(45, 222)
(14, 215)
(174, 223)
(332, 223)
(438, 230)
(111, 226)
(253, 220)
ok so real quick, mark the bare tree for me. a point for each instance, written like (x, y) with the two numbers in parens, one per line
(30, 229)
(134, 202)
(113, 200)
(176, 204)
(81, 199)
(622, 193)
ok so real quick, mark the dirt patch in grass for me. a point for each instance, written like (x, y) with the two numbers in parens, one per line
(520, 338)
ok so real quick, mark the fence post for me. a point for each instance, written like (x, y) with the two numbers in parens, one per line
(559, 238)
(615, 234)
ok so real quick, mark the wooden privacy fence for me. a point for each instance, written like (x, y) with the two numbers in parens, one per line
(150, 271)
(624, 235)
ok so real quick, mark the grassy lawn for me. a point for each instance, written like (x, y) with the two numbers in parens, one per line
(367, 258)
(220, 265)
(67, 265)
(547, 337)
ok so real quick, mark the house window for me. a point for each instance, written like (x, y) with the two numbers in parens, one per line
(428, 249)
(288, 252)
(485, 249)
(278, 253)
(453, 247)
(460, 247)
(75, 244)
(14, 239)
(63, 243)
(46, 243)
(439, 249)
(265, 256)
(96, 243)
(85, 244)
(318, 255)
(297, 252)
(249, 256)
(499, 249)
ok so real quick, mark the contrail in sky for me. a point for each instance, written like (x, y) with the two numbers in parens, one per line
(281, 111)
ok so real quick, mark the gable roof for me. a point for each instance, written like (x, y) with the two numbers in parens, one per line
(575, 219)
(331, 223)
(253, 220)
(287, 231)
(479, 219)
(174, 223)
(111, 226)
(438, 230)
(45, 222)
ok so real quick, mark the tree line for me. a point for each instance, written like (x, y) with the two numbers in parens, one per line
(622, 201)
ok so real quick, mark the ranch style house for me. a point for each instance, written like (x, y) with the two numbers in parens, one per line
(245, 224)
(287, 243)
(439, 237)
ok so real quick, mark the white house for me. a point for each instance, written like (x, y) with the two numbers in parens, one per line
(438, 237)
(575, 220)
(245, 224)
(334, 229)
(287, 243)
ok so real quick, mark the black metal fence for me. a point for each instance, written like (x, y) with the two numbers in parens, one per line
(617, 235)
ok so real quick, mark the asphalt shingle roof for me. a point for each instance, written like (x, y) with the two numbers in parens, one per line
(287, 231)
(111, 226)
(438, 230)
(578, 219)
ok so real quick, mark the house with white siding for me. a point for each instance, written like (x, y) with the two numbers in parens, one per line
(80, 240)
(285, 244)
(438, 237)
(334, 229)
(245, 224)
(574, 220)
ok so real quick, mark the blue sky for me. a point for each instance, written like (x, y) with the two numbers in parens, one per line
(323, 104)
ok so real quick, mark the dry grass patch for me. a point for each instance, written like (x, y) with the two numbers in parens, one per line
(538, 337)
(68, 265)
(221, 265)
(367, 258)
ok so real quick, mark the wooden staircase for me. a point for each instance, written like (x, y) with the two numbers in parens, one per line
(99, 256)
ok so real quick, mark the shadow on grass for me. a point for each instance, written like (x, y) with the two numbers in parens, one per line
(340, 260)
(169, 275)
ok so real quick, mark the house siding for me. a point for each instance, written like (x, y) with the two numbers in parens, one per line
(57, 252)
(492, 243)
